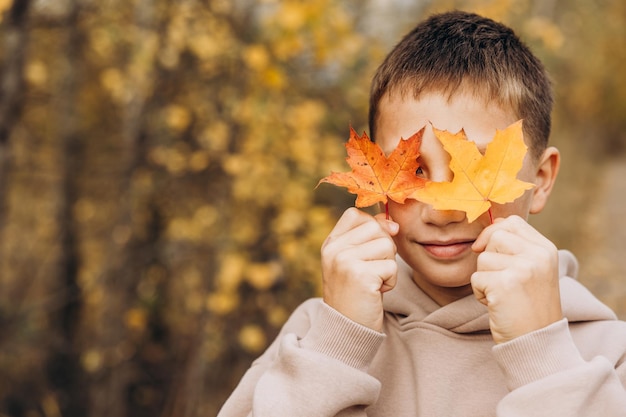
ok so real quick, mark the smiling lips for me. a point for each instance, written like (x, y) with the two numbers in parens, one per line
(447, 250)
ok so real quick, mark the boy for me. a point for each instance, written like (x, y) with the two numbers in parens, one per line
(427, 314)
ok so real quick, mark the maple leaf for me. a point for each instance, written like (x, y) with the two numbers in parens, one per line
(479, 179)
(376, 178)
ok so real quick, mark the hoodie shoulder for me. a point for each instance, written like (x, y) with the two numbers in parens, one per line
(577, 302)
(568, 264)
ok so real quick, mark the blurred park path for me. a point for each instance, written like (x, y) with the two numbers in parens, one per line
(603, 265)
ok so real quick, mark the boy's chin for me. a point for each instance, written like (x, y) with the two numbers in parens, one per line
(442, 288)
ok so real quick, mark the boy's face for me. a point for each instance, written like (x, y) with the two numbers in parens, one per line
(437, 244)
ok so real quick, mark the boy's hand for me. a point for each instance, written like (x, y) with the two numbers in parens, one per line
(359, 265)
(516, 278)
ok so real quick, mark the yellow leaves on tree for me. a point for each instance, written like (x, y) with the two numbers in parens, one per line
(479, 180)
(374, 177)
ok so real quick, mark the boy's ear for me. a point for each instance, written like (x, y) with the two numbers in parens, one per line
(547, 170)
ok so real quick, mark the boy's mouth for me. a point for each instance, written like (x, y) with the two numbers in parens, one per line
(447, 250)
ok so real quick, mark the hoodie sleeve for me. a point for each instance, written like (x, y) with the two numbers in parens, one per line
(547, 376)
(317, 366)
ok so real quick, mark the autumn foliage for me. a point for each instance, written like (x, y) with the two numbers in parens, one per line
(157, 219)
(478, 179)
(375, 177)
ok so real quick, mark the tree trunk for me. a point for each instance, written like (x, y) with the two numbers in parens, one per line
(64, 369)
(12, 87)
(110, 389)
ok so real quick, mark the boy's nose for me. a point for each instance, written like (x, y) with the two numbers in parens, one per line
(441, 217)
(442, 174)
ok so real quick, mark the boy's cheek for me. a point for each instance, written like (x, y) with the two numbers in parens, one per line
(520, 207)
(404, 214)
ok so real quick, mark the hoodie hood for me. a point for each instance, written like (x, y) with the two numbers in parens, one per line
(410, 304)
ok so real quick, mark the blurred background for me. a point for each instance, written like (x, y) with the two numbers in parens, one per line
(158, 161)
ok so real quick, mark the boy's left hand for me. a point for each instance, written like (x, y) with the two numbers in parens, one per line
(516, 278)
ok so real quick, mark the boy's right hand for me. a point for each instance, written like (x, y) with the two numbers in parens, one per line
(359, 265)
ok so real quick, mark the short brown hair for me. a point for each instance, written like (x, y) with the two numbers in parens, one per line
(455, 50)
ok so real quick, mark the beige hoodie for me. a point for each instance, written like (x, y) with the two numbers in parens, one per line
(440, 361)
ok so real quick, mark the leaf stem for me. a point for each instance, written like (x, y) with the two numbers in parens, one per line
(490, 215)
(387, 210)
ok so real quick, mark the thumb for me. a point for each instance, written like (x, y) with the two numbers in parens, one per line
(387, 224)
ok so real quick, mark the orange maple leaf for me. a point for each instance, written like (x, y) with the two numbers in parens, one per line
(376, 178)
(479, 179)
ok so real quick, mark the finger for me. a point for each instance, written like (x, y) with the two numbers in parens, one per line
(381, 248)
(358, 234)
(389, 283)
(480, 282)
(376, 274)
(387, 271)
(390, 226)
(506, 242)
(493, 261)
(512, 224)
(350, 219)
(478, 288)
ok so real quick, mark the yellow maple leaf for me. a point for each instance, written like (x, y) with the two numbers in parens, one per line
(479, 179)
